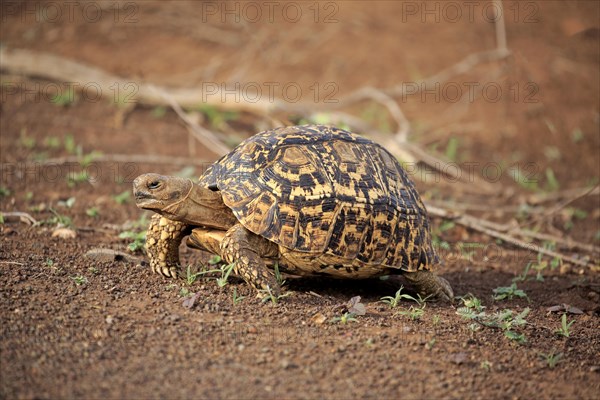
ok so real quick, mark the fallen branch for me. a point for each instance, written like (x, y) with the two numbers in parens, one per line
(203, 135)
(18, 216)
(119, 158)
(480, 226)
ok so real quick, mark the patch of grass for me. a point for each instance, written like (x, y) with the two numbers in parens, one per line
(225, 272)
(552, 358)
(123, 197)
(58, 219)
(79, 279)
(183, 292)
(269, 295)
(64, 98)
(159, 112)
(4, 192)
(509, 292)
(377, 115)
(138, 239)
(218, 118)
(435, 320)
(506, 320)
(552, 184)
(437, 232)
(451, 152)
(26, 141)
(75, 178)
(565, 326)
(68, 203)
(577, 135)
(540, 265)
(344, 318)
(278, 276)
(394, 301)
(413, 313)
(471, 302)
(93, 212)
(237, 298)
(486, 365)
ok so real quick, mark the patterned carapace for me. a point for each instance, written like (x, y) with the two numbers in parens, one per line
(336, 203)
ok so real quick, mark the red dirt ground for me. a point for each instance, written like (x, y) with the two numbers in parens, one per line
(75, 328)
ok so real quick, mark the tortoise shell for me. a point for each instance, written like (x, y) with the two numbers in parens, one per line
(325, 194)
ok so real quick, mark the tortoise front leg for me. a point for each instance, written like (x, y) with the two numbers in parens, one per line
(162, 244)
(245, 249)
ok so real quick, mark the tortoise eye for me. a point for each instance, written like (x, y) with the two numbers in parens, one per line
(154, 185)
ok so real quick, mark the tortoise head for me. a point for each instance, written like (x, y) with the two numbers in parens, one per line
(162, 194)
(180, 199)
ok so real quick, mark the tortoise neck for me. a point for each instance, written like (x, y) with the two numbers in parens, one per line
(203, 207)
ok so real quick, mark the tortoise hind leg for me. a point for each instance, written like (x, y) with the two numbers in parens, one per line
(429, 284)
(245, 249)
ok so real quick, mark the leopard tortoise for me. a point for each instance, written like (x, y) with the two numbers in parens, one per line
(314, 199)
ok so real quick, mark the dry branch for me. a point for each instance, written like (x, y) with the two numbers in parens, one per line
(119, 158)
(480, 225)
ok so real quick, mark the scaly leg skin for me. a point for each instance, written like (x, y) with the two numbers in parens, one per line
(162, 244)
(429, 284)
(245, 249)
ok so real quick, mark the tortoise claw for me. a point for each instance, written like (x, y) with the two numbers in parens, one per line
(429, 284)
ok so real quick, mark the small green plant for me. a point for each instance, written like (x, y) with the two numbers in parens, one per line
(269, 295)
(509, 292)
(344, 318)
(183, 292)
(564, 326)
(190, 277)
(4, 192)
(278, 276)
(437, 231)
(159, 111)
(58, 219)
(92, 212)
(94, 270)
(79, 280)
(429, 345)
(139, 239)
(515, 336)
(218, 118)
(577, 135)
(64, 98)
(552, 184)
(435, 320)
(552, 358)
(452, 149)
(237, 298)
(71, 147)
(225, 272)
(26, 141)
(68, 203)
(123, 197)
(472, 302)
(540, 265)
(505, 320)
(75, 178)
(394, 301)
(214, 260)
(485, 365)
(413, 313)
